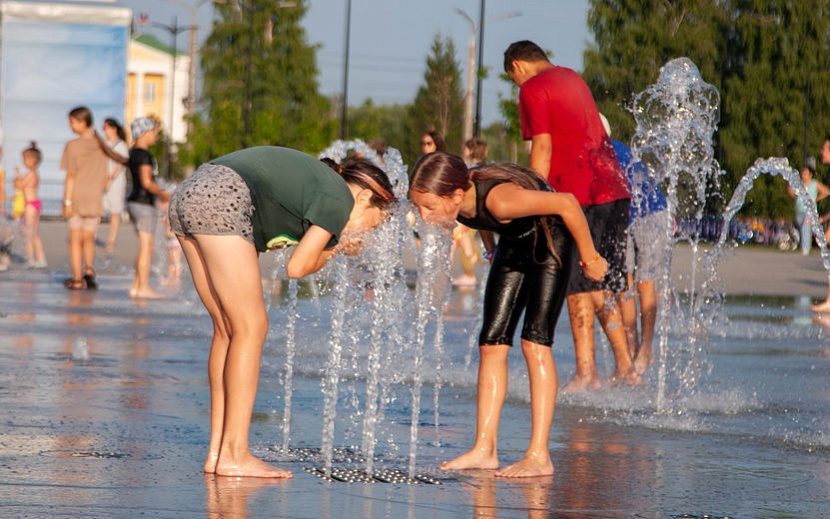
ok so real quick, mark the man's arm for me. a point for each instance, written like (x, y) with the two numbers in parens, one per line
(541, 149)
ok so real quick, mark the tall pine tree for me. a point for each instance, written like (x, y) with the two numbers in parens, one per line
(260, 81)
(439, 103)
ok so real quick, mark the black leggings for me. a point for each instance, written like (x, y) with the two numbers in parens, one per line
(526, 276)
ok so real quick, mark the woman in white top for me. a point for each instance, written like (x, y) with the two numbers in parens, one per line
(113, 200)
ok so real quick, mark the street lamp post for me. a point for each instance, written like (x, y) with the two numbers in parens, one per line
(472, 71)
(467, 131)
(190, 101)
(174, 29)
(344, 109)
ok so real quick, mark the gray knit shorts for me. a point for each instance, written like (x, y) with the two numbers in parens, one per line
(213, 200)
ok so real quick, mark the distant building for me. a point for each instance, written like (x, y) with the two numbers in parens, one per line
(54, 57)
(150, 90)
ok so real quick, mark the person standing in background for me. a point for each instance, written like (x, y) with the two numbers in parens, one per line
(116, 187)
(28, 183)
(570, 149)
(464, 238)
(142, 203)
(645, 254)
(817, 191)
(432, 141)
(85, 161)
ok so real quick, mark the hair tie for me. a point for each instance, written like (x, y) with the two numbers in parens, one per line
(339, 169)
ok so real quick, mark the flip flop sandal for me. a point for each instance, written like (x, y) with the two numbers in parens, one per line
(91, 282)
(74, 284)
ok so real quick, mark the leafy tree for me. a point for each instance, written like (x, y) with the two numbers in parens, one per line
(760, 55)
(775, 48)
(260, 82)
(369, 122)
(509, 108)
(439, 103)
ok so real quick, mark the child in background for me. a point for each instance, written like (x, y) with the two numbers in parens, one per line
(28, 183)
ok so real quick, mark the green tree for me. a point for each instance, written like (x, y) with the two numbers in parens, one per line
(776, 47)
(760, 55)
(439, 103)
(633, 39)
(369, 122)
(260, 82)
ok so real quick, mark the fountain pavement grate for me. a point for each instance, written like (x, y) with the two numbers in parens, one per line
(346, 473)
(341, 475)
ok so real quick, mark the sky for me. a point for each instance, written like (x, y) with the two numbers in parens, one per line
(391, 39)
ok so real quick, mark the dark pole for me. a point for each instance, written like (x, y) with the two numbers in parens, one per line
(806, 117)
(344, 109)
(479, 71)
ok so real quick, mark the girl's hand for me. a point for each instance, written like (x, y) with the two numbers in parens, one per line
(67, 211)
(595, 268)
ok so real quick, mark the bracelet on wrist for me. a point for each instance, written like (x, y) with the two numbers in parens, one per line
(67, 203)
(488, 255)
(584, 264)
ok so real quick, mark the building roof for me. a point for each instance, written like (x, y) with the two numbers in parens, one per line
(153, 42)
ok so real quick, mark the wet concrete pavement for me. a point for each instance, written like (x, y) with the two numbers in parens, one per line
(105, 414)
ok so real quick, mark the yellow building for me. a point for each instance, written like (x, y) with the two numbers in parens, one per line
(150, 91)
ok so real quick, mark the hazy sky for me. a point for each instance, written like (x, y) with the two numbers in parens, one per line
(390, 39)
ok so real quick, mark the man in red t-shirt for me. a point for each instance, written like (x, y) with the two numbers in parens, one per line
(570, 149)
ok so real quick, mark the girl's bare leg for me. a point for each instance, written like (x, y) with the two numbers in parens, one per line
(29, 216)
(75, 253)
(115, 223)
(492, 388)
(231, 266)
(544, 385)
(88, 250)
(37, 244)
(141, 286)
(648, 320)
(218, 349)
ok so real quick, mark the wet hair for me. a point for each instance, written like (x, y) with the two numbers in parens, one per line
(440, 144)
(441, 174)
(119, 129)
(83, 114)
(478, 150)
(524, 50)
(361, 172)
(34, 151)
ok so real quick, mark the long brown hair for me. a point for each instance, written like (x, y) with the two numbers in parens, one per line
(441, 174)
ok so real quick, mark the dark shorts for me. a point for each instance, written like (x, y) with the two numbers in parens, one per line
(213, 200)
(526, 277)
(608, 224)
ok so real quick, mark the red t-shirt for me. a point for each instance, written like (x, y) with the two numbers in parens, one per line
(558, 102)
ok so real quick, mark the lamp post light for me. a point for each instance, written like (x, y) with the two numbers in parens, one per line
(174, 29)
(190, 100)
(473, 72)
(344, 109)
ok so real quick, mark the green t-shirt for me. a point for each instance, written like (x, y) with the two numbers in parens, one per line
(291, 191)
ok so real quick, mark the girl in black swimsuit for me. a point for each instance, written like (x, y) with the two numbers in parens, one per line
(537, 229)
